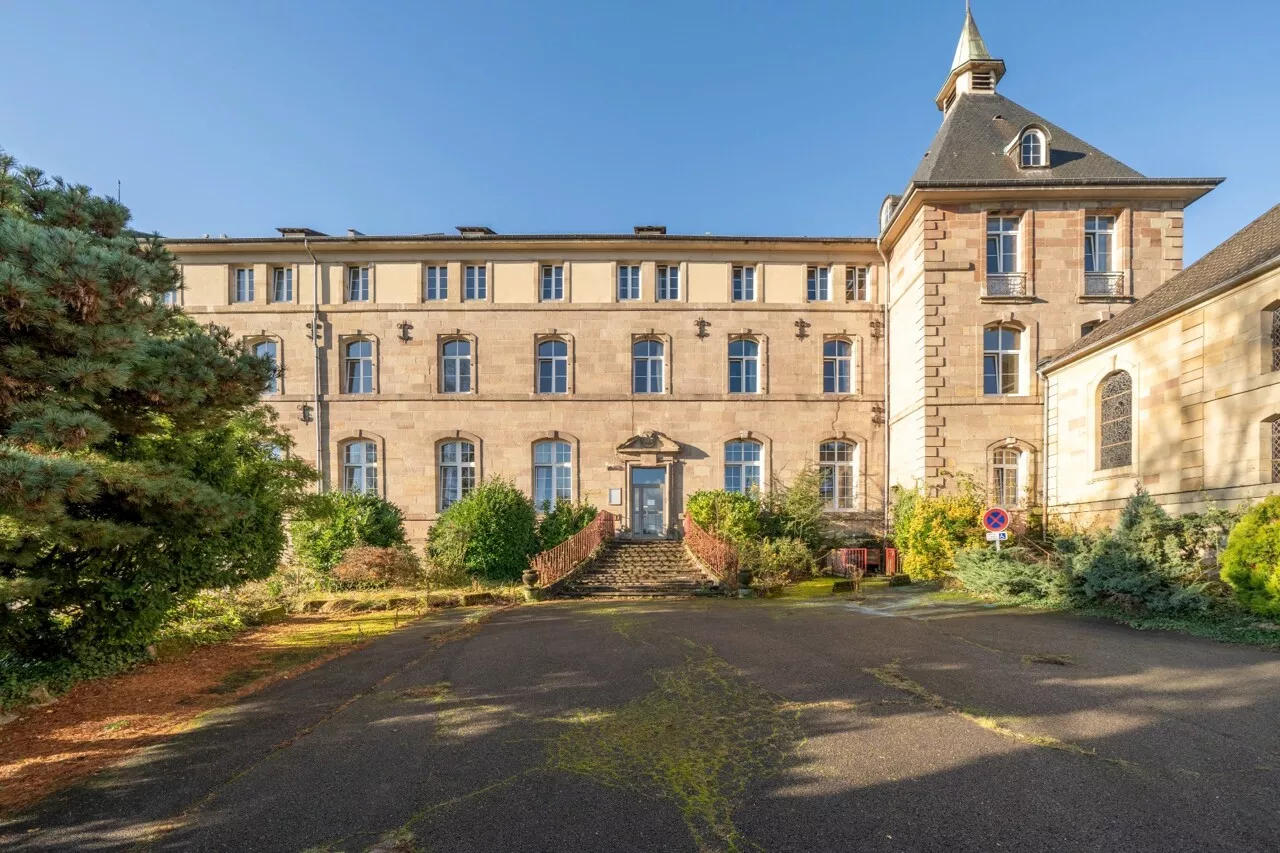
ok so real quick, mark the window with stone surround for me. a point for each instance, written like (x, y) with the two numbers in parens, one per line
(1006, 476)
(269, 349)
(358, 284)
(1033, 149)
(455, 366)
(282, 284)
(1275, 339)
(668, 282)
(475, 283)
(357, 367)
(436, 279)
(1004, 265)
(1001, 359)
(818, 284)
(855, 284)
(243, 290)
(552, 282)
(648, 366)
(743, 466)
(628, 282)
(838, 469)
(1275, 450)
(553, 366)
(457, 471)
(1115, 421)
(360, 467)
(744, 366)
(744, 283)
(837, 366)
(552, 473)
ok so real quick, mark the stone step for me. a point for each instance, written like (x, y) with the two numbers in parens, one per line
(639, 569)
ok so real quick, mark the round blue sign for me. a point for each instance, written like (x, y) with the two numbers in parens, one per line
(995, 520)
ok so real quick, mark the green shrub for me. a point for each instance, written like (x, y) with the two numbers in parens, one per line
(1251, 562)
(327, 525)
(929, 530)
(729, 515)
(796, 511)
(371, 566)
(1112, 571)
(1008, 573)
(492, 528)
(774, 562)
(563, 521)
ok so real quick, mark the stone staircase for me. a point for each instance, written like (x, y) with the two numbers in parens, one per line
(639, 569)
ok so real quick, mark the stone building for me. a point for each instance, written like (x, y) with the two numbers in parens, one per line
(631, 370)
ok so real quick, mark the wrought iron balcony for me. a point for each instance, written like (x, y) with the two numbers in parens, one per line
(1105, 284)
(1006, 284)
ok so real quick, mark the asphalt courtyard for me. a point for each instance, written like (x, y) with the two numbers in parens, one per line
(717, 726)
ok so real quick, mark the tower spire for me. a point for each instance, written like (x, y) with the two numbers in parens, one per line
(973, 69)
(971, 45)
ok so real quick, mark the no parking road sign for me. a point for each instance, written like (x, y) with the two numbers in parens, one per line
(995, 519)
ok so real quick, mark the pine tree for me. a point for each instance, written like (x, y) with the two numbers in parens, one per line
(109, 513)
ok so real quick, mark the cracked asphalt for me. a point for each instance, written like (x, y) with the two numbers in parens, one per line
(717, 726)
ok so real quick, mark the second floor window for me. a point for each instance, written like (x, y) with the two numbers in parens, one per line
(855, 284)
(358, 284)
(647, 367)
(476, 286)
(553, 367)
(455, 367)
(282, 285)
(628, 282)
(744, 283)
(668, 283)
(552, 283)
(837, 367)
(244, 285)
(744, 367)
(1001, 346)
(819, 284)
(358, 375)
(1002, 244)
(1099, 237)
(267, 350)
(457, 471)
(437, 283)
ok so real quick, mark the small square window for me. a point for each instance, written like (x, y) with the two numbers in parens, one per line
(552, 282)
(819, 288)
(744, 283)
(358, 284)
(855, 284)
(476, 285)
(628, 282)
(437, 283)
(668, 283)
(243, 291)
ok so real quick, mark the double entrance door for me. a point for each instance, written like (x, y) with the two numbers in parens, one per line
(648, 498)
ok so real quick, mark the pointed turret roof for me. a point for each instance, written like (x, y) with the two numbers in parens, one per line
(971, 45)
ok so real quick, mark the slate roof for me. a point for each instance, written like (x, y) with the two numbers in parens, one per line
(969, 148)
(1249, 248)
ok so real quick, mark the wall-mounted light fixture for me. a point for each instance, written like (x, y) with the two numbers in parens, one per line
(305, 412)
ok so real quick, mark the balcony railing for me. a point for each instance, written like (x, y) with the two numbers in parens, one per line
(1105, 284)
(1006, 284)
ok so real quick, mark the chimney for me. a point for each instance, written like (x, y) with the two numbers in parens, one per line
(650, 230)
(301, 232)
(476, 231)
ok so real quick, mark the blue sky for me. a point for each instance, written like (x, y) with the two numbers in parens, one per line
(596, 115)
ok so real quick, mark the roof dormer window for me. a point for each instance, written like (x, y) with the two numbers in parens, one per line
(1034, 149)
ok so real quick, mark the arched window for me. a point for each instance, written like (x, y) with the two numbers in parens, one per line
(647, 367)
(744, 366)
(553, 367)
(457, 471)
(1275, 450)
(1006, 476)
(269, 351)
(1032, 149)
(837, 367)
(360, 467)
(358, 372)
(1275, 339)
(455, 367)
(552, 473)
(742, 468)
(1115, 421)
(1001, 359)
(838, 466)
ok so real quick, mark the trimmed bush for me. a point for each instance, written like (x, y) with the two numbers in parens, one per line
(369, 566)
(729, 515)
(775, 562)
(563, 521)
(491, 532)
(328, 525)
(1008, 573)
(1251, 562)
(929, 531)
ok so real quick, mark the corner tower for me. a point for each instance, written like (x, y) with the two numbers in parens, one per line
(1012, 239)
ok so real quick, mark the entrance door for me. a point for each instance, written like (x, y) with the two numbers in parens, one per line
(647, 497)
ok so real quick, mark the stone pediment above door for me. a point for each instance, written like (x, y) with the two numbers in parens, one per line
(649, 445)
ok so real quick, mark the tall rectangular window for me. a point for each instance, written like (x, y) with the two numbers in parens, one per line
(282, 285)
(744, 283)
(819, 286)
(358, 284)
(1099, 240)
(244, 285)
(1002, 244)
(855, 284)
(477, 287)
(668, 283)
(628, 282)
(552, 282)
(437, 279)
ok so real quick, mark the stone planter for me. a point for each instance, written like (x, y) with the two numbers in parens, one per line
(530, 578)
(744, 578)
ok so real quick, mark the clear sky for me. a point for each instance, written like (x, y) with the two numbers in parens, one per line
(744, 117)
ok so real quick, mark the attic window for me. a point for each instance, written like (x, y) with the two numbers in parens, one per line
(1033, 149)
(984, 81)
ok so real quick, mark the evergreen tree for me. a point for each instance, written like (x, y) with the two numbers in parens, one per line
(112, 405)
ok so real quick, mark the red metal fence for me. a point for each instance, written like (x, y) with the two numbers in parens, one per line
(890, 562)
(555, 564)
(850, 563)
(719, 556)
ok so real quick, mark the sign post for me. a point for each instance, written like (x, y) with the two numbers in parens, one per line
(996, 520)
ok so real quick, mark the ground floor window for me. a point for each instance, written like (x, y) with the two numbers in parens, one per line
(1006, 485)
(552, 474)
(837, 464)
(457, 471)
(742, 468)
(360, 467)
